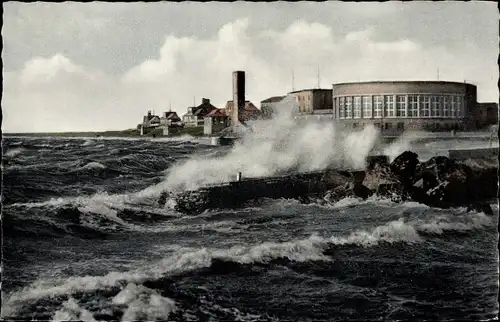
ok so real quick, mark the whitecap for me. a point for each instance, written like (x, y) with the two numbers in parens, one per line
(93, 165)
(71, 311)
(190, 259)
(143, 304)
(13, 152)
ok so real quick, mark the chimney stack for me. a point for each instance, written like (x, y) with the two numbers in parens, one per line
(238, 96)
(205, 101)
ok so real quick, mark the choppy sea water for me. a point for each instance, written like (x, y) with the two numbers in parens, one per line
(83, 242)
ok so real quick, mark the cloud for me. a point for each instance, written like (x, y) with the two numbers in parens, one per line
(57, 93)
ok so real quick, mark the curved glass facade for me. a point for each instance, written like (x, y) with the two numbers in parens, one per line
(450, 106)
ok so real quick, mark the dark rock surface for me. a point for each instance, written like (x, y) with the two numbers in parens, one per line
(438, 182)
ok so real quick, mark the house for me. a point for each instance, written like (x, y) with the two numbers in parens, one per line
(249, 112)
(195, 115)
(215, 121)
(170, 119)
(149, 122)
(268, 106)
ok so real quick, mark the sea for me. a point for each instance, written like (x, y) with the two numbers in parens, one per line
(84, 238)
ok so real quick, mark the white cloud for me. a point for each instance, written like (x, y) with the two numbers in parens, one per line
(59, 94)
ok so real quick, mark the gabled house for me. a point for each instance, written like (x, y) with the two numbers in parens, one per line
(171, 119)
(215, 121)
(195, 115)
(249, 112)
(149, 122)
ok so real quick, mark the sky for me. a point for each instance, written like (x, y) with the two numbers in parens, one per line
(101, 66)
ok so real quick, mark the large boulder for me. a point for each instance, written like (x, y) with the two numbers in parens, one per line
(405, 167)
(380, 178)
(342, 184)
(333, 179)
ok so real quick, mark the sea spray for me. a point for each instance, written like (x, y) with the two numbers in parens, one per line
(274, 146)
(71, 311)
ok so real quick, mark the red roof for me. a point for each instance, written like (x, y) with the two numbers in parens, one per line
(217, 112)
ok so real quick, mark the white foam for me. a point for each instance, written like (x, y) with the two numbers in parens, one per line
(189, 259)
(93, 165)
(13, 152)
(392, 232)
(468, 222)
(273, 146)
(403, 143)
(88, 142)
(71, 311)
(143, 304)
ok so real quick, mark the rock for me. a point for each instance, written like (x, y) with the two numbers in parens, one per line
(361, 191)
(395, 191)
(374, 160)
(342, 184)
(333, 179)
(437, 165)
(378, 172)
(405, 167)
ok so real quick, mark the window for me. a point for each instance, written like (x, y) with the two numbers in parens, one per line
(354, 125)
(357, 107)
(348, 107)
(378, 104)
(388, 126)
(453, 106)
(367, 106)
(401, 126)
(425, 106)
(389, 106)
(401, 105)
(377, 125)
(412, 106)
(435, 106)
(446, 106)
(460, 107)
(341, 108)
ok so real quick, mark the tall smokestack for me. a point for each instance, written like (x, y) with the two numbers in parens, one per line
(238, 96)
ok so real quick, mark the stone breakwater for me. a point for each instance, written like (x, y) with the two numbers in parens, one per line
(439, 182)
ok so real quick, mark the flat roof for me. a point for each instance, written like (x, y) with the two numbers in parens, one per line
(311, 90)
(409, 81)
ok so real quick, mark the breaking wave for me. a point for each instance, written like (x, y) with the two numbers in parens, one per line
(185, 260)
(14, 152)
(276, 146)
(93, 165)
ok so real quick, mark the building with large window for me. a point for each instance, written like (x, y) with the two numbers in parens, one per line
(310, 100)
(406, 105)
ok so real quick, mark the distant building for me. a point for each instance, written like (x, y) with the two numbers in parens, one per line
(151, 122)
(170, 119)
(310, 100)
(486, 114)
(215, 121)
(195, 115)
(396, 106)
(248, 113)
(268, 106)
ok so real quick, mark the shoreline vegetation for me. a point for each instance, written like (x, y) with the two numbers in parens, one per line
(192, 131)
